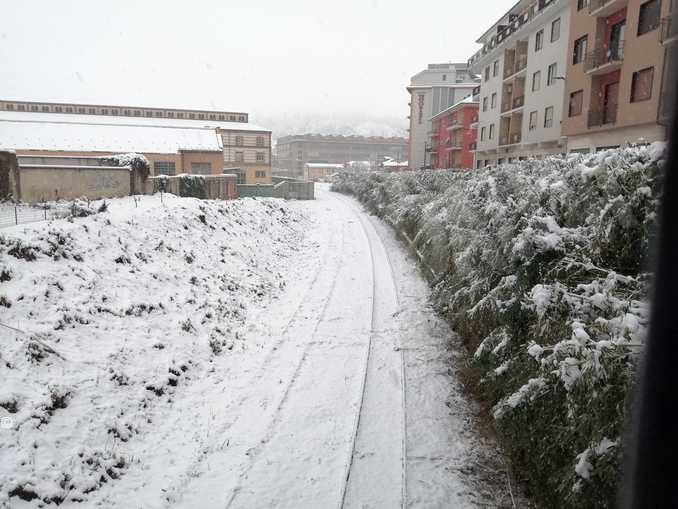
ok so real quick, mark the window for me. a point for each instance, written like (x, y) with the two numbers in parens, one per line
(149, 113)
(495, 68)
(238, 141)
(201, 168)
(494, 100)
(551, 76)
(44, 108)
(180, 115)
(539, 40)
(260, 174)
(555, 30)
(260, 141)
(201, 116)
(576, 103)
(641, 85)
(34, 108)
(239, 157)
(536, 81)
(548, 117)
(491, 131)
(260, 157)
(579, 51)
(104, 111)
(582, 4)
(484, 103)
(164, 168)
(648, 18)
(92, 111)
(221, 117)
(300, 155)
(137, 113)
(81, 110)
(444, 77)
(191, 116)
(533, 120)
(487, 73)
(482, 134)
(115, 112)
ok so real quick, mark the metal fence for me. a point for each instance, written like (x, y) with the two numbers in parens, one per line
(12, 215)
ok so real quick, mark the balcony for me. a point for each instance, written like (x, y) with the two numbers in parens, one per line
(602, 117)
(604, 60)
(520, 65)
(455, 125)
(600, 8)
(669, 31)
(518, 102)
(454, 145)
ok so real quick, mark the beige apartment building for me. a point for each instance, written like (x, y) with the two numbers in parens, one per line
(174, 141)
(615, 73)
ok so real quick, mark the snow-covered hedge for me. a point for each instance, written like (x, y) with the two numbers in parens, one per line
(137, 162)
(541, 268)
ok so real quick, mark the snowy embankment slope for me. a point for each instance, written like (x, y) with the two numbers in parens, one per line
(121, 309)
(540, 266)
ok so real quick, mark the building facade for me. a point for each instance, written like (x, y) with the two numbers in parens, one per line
(431, 91)
(522, 63)
(615, 72)
(174, 141)
(321, 172)
(453, 142)
(294, 152)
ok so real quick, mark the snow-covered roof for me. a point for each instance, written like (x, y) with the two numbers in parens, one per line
(469, 99)
(324, 165)
(43, 135)
(72, 118)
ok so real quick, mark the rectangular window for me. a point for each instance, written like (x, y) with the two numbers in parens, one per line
(491, 131)
(238, 141)
(482, 134)
(576, 103)
(484, 103)
(494, 100)
(164, 168)
(649, 15)
(201, 168)
(548, 117)
(260, 141)
(579, 52)
(539, 40)
(582, 4)
(555, 30)
(487, 73)
(552, 73)
(533, 120)
(444, 77)
(641, 85)
(495, 68)
(239, 157)
(536, 81)
(260, 157)
(260, 174)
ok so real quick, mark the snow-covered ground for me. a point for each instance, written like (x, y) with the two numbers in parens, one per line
(256, 353)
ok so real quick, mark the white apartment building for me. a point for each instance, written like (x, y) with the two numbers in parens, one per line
(433, 90)
(522, 65)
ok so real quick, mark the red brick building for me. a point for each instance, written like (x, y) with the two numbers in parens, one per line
(454, 135)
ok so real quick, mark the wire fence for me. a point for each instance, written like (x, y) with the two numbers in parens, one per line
(12, 215)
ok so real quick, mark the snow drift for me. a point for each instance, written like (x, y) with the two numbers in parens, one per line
(121, 308)
(540, 266)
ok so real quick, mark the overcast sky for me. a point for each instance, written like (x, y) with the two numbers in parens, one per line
(268, 57)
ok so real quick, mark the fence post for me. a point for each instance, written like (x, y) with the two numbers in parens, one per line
(16, 216)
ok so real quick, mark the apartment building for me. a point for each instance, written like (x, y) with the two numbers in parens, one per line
(453, 142)
(296, 151)
(522, 63)
(615, 72)
(174, 140)
(433, 90)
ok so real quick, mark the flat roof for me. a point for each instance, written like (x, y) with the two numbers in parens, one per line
(74, 118)
(466, 100)
(76, 137)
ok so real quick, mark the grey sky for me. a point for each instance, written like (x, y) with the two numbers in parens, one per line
(271, 58)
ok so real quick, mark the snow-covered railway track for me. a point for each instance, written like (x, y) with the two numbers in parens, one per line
(354, 493)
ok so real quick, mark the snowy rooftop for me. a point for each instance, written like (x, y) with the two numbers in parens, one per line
(69, 118)
(469, 99)
(324, 165)
(43, 135)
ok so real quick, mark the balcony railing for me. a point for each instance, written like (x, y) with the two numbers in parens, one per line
(504, 139)
(516, 137)
(518, 102)
(455, 125)
(603, 56)
(506, 105)
(515, 67)
(669, 31)
(602, 117)
(473, 146)
(603, 7)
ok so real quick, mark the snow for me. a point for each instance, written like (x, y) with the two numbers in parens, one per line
(44, 135)
(212, 354)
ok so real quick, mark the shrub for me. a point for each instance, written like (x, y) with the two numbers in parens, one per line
(540, 270)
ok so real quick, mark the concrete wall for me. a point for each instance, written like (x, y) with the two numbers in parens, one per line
(216, 187)
(9, 173)
(50, 182)
(286, 189)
